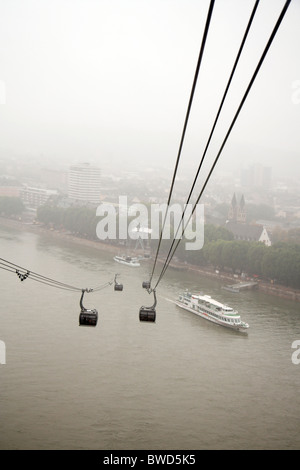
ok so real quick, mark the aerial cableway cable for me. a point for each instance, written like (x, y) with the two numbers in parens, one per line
(205, 33)
(267, 47)
(24, 273)
(87, 317)
(214, 126)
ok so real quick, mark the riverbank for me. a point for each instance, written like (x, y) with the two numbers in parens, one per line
(266, 287)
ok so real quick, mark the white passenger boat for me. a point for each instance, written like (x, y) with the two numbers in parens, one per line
(128, 260)
(212, 310)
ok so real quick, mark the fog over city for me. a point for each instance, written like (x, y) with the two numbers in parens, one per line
(108, 82)
(136, 313)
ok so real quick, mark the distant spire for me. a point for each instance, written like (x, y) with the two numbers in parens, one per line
(232, 213)
(241, 211)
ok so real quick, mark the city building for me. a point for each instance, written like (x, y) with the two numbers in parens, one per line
(84, 183)
(237, 225)
(256, 176)
(35, 197)
(250, 233)
(237, 211)
(10, 191)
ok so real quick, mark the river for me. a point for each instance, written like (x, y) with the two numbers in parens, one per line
(181, 383)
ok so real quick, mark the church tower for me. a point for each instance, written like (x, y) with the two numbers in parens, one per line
(232, 213)
(237, 213)
(241, 211)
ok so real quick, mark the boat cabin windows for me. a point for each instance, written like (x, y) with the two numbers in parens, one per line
(211, 309)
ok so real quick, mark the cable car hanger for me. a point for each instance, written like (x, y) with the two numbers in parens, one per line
(87, 317)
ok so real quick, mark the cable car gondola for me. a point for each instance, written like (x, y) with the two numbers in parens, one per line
(118, 287)
(148, 314)
(87, 317)
(146, 285)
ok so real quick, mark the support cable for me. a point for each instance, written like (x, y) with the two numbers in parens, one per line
(24, 273)
(267, 47)
(214, 125)
(209, 15)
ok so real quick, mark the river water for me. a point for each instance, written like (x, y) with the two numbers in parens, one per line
(181, 383)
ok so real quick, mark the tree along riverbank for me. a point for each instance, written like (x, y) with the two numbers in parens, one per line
(263, 286)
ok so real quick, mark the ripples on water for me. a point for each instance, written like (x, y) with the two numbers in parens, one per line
(182, 383)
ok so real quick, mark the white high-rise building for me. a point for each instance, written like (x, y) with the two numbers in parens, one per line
(84, 183)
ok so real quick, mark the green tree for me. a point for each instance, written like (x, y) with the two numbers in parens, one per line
(256, 253)
(212, 233)
(269, 264)
(212, 252)
(11, 206)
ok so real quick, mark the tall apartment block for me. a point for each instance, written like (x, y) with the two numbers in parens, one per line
(84, 183)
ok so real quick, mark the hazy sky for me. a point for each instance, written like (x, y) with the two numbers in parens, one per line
(105, 80)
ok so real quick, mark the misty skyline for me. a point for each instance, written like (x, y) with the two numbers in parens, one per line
(110, 81)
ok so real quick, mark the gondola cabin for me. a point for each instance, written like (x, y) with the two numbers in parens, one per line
(118, 287)
(148, 314)
(88, 317)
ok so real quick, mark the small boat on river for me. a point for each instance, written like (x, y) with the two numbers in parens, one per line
(127, 260)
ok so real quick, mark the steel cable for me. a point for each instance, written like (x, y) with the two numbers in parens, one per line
(208, 20)
(263, 56)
